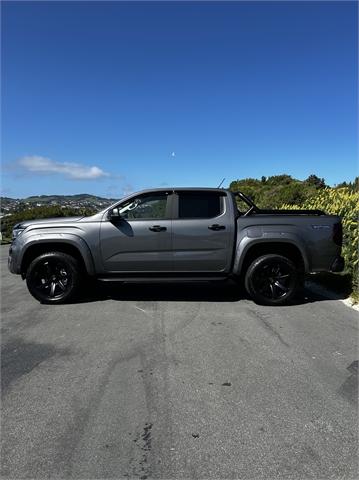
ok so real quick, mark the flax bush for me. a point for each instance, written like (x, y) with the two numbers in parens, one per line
(345, 203)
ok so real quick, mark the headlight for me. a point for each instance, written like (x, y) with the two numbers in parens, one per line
(16, 232)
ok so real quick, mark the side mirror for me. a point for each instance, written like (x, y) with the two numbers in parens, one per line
(114, 214)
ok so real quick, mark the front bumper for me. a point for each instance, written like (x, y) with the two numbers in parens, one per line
(337, 264)
(12, 260)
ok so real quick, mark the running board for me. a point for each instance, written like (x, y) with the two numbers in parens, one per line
(154, 279)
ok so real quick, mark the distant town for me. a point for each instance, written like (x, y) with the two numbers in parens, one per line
(13, 205)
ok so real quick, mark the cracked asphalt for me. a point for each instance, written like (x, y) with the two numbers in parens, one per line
(177, 381)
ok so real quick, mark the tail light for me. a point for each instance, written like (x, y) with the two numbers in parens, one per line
(338, 234)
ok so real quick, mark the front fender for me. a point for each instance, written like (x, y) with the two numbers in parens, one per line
(68, 239)
(257, 236)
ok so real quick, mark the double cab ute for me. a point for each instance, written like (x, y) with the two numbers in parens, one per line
(178, 234)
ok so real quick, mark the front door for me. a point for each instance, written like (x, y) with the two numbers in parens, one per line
(140, 239)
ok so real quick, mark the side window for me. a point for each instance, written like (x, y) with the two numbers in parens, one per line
(145, 207)
(199, 205)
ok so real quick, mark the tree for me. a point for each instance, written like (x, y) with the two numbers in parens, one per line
(283, 179)
(352, 186)
(315, 181)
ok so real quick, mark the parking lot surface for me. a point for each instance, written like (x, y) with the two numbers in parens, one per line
(176, 381)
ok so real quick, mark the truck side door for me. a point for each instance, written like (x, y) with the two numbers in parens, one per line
(141, 239)
(203, 231)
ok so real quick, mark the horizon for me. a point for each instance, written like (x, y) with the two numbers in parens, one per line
(112, 98)
(163, 187)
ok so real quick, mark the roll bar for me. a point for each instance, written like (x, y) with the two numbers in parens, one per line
(254, 209)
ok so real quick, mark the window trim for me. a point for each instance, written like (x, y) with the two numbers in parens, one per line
(175, 201)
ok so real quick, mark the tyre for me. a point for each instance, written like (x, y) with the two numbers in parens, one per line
(272, 280)
(53, 277)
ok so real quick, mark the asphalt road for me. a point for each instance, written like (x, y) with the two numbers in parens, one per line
(169, 381)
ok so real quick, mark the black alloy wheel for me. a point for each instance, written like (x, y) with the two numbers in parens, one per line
(53, 277)
(272, 280)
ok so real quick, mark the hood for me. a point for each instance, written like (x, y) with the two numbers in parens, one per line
(27, 223)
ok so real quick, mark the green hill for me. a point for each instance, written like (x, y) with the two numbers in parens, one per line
(272, 192)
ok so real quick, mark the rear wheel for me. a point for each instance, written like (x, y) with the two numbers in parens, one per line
(272, 280)
(53, 277)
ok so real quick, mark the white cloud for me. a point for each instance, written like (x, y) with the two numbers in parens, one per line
(74, 171)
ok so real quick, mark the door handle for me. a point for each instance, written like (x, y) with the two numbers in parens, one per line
(157, 228)
(217, 227)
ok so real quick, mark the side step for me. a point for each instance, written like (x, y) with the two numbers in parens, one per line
(154, 279)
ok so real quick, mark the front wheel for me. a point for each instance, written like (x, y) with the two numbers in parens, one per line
(53, 277)
(272, 280)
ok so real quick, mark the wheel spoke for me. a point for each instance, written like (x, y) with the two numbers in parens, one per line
(47, 268)
(263, 285)
(52, 291)
(61, 285)
(280, 277)
(281, 287)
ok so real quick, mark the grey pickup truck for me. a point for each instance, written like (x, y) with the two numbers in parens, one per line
(178, 234)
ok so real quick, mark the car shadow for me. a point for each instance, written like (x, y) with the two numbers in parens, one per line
(223, 291)
(179, 292)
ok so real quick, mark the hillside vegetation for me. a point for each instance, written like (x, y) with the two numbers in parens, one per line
(82, 200)
(8, 222)
(272, 192)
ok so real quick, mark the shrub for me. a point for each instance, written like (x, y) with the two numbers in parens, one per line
(345, 203)
(273, 191)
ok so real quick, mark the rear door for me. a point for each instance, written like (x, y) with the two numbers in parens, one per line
(139, 241)
(203, 231)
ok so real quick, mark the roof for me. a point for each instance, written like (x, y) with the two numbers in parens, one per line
(176, 189)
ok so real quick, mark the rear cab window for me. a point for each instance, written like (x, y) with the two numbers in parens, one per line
(197, 204)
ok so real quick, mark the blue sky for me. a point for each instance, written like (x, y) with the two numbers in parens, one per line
(111, 97)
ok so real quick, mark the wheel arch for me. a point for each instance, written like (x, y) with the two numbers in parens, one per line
(78, 250)
(286, 248)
